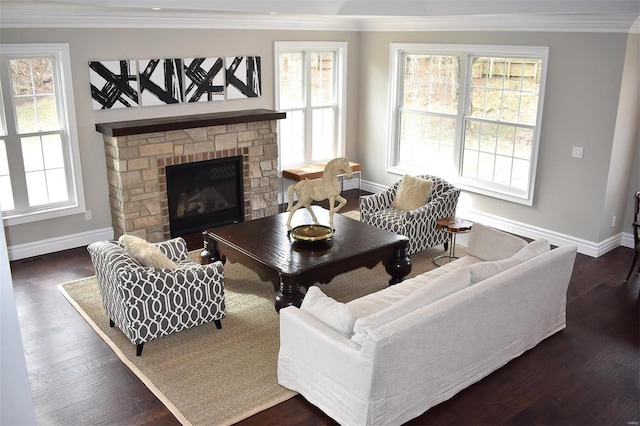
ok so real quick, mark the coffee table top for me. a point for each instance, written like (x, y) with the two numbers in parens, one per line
(266, 241)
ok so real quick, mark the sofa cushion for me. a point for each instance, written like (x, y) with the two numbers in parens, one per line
(532, 249)
(379, 300)
(482, 270)
(491, 244)
(412, 193)
(146, 253)
(335, 314)
(435, 290)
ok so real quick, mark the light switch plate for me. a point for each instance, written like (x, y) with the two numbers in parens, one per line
(577, 152)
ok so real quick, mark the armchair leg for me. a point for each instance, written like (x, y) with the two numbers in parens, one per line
(139, 347)
(111, 323)
(218, 324)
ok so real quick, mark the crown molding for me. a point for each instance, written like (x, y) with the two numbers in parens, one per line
(621, 22)
(85, 18)
(540, 22)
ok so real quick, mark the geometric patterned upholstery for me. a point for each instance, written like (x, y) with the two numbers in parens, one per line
(147, 303)
(418, 225)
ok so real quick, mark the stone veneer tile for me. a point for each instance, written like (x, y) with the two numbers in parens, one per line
(199, 134)
(236, 127)
(216, 130)
(246, 136)
(165, 148)
(226, 141)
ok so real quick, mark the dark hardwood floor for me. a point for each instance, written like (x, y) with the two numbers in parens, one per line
(588, 374)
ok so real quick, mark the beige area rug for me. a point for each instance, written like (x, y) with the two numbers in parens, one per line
(353, 214)
(207, 376)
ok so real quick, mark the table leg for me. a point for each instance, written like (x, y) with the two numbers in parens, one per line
(289, 294)
(399, 266)
(210, 253)
(452, 250)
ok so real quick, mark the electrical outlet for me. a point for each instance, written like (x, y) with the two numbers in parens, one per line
(613, 221)
(577, 152)
(87, 215)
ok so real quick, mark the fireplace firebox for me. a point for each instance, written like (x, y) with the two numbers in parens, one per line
(204, 194)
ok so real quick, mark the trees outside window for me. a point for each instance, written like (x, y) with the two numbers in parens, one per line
(39, 161)
(310, 80)
(471, 114)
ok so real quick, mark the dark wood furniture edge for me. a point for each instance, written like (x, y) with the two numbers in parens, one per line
(287, 284)
(164, 124)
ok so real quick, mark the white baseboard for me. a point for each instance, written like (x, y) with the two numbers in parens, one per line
(588, 248)
(22, 251)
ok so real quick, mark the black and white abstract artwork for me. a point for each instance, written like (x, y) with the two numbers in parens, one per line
(203, 79)
(160, 81)
(243, 77)
(114, 84)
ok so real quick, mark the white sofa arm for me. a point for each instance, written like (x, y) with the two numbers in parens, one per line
(490, 244)
(321, 364)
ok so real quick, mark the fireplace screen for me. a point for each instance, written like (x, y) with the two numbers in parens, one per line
(204, 194)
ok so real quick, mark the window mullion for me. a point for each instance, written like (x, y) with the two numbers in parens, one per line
(308, 114)
(335, 69)
(464, 84)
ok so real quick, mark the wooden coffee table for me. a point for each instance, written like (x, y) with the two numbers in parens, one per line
(265, 246)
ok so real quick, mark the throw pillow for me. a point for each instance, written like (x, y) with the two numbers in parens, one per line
(491, 244)
(437, 289)
(335, 314)
(532, 249)
(412, 193)
(146, 253)
(482, 270)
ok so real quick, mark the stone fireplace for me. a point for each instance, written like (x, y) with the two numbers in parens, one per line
(138, 153)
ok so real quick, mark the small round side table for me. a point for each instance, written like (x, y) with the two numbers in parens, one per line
(452, 226)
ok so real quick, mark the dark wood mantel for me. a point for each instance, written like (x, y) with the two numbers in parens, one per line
(164, 124)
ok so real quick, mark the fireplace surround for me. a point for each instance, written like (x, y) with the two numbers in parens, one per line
(138, 153)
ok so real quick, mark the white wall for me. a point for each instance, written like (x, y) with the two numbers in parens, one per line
(16, 407)
(631, 93)
(624, 142)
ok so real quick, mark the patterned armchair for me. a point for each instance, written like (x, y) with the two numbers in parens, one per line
(418, 225)
(147, 303)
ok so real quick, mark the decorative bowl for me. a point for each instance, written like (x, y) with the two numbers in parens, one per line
(311, 233)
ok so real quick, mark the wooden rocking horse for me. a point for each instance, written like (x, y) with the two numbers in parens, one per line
(325, 188)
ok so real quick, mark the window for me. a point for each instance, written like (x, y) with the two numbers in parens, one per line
(39, 159)
(310, 89)
(470, 114)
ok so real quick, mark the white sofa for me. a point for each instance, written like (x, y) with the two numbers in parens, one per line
(389, 356)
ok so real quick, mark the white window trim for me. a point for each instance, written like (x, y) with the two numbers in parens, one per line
(455, 177)
(62, 53)
(341, 94)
